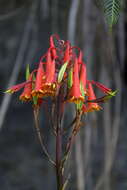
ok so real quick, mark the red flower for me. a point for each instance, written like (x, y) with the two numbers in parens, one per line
(91, 96)
(49, 86)
(101, 87)
(67, 53)
(40, 78)
(52, 46)
(80, 61)
(17, 87)
(26, 94)
(75, 93)
(83, 76)
(50, 69)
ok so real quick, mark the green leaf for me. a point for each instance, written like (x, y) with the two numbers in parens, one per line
(62, 71)
(111, 9)
(27, 71)
(79, 105)
(82, 89)
(33, 83)
(35, 99)
(70, 78)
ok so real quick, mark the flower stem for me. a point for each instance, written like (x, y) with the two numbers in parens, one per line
(59, 174)
(36, 118)
(58, 161)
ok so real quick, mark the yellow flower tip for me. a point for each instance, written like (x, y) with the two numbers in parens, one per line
(94, 108)
(38, 93)
(54, 86)
(112, 93)
(49, 86)
(49, 89)
(76, 100)
(25, 98)
(9, 91)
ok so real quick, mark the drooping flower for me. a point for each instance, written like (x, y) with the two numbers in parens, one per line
(80, 57)
(40, 78)
(67, 53)
(49, 86)
(75, 93)
(60, 66)
(17, 87)
(83, 76)
(92, 106)
(52, 46)
(101, 87)
(27, 92)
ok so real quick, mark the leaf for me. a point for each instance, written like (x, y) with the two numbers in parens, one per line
(27, 72)
(33, 78)
(79, 105)
(70, 78)
(111, 9)
(82, 89)
(62, 71)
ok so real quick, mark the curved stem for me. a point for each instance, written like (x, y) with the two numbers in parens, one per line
(36, 118)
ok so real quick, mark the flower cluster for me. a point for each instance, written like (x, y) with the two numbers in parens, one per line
(62, 67)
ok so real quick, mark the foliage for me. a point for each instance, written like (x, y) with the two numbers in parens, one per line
(111, 9)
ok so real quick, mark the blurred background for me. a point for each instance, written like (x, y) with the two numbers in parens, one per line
(99, 156)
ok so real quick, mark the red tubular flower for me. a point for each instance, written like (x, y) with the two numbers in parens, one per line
(40, 77)
(75, 93)
(49, 86)
(101, 87)
(27, 92)
(91, 96)
(83, 76)
(17, 87)
(67, 53)
(50, 69)
(52, 46)
(80, 61)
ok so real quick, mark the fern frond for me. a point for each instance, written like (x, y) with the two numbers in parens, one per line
(111, 10)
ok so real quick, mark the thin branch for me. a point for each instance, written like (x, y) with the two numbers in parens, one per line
(75, 130)
(36, 118)
(69, 126)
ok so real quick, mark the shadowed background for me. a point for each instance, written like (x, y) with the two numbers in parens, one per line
(99, 156)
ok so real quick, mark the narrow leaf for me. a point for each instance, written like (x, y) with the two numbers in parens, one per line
(27, 71)
(70, 78)
(79, 105)
(82, 89)
(62, 71)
